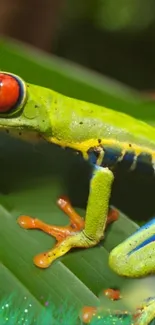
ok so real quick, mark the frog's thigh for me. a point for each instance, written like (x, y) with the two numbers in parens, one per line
(135, 256)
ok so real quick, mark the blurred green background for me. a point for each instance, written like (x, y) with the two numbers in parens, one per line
(115, 38)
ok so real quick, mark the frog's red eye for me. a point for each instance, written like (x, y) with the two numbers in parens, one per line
(9, 92)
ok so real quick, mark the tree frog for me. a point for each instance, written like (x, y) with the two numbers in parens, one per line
(103, 137)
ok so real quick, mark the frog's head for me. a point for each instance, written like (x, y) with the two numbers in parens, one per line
(24, 107)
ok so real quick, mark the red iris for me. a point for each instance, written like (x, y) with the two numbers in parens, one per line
(9, 92)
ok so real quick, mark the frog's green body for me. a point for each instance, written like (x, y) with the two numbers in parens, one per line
(104, 137)
(77, 124)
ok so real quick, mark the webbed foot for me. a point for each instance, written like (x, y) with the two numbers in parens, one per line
(77, 223)
(78, 233)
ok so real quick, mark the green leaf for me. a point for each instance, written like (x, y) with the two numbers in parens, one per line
(49, 71)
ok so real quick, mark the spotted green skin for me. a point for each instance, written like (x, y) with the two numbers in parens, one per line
(70, 120)
(77, 124)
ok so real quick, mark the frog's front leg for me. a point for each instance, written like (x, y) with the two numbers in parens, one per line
(76, 222)
(78, 234)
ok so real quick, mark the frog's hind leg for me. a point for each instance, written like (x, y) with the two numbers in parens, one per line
(145, 314)
(135, 256)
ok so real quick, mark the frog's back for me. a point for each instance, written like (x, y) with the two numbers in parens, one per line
(118, 126)
(82, 121)
(126, 141)
(88, 128)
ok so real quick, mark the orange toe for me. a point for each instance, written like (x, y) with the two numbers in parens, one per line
(88, 313)
(112, 216)
(26, 222)
(42, 260)
(63, 201)
(112, 294)
(65, 205)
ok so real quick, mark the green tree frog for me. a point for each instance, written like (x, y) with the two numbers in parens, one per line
(103, 137)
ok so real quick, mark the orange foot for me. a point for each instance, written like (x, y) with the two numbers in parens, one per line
(77, 223)
(88, 313)
(112, 294)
